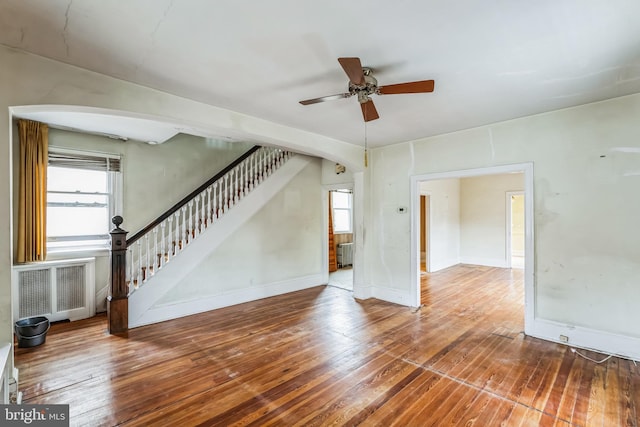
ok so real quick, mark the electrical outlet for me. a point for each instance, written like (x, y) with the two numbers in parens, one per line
(564, 338)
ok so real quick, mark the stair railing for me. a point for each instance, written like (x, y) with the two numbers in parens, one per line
(149, 250)
(160, 242)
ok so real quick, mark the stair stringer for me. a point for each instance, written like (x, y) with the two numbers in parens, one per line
(143, 299)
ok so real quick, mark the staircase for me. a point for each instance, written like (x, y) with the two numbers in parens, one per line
(197, 225)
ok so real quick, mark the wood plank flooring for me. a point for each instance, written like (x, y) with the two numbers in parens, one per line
(318, 357)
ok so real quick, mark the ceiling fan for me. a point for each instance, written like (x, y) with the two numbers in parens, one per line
(363, 84)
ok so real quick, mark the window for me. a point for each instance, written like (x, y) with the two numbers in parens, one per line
(341, 202)
(83, 194)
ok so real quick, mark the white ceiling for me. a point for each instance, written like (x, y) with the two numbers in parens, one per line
(492, 60)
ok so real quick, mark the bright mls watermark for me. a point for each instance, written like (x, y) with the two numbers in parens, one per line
(34, 415)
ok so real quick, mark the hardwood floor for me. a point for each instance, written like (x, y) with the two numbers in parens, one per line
(318, 357)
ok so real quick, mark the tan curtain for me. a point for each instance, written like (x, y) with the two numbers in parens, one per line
(32, 199)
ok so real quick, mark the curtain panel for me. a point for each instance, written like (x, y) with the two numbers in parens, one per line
(32, 197)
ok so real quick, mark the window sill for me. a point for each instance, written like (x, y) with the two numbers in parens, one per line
(65, 253)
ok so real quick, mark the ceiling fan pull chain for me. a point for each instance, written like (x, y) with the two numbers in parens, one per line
(366, 162)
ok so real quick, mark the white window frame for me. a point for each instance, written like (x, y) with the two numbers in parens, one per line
(349, 209)
(115, 196)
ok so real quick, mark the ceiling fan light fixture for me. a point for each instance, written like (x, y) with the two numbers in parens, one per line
(363, 84)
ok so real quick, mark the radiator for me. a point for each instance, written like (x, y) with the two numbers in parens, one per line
(345, 254)
(58, 290)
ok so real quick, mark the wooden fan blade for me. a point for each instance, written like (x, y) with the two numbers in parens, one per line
(325, 98)
(421, 86)
(353, 68)
(369, 111)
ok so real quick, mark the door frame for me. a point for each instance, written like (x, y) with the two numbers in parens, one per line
(326, 188)
(427, 206)
(508, 234)
(529, 284)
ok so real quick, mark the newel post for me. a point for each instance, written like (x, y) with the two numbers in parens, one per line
(117, 301)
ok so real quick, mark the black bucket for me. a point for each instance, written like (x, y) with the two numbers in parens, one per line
(32, 331)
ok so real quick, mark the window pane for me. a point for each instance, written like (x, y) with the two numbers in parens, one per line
(341, 220)
(341, 200)
(69, 179)
(77, 221)
(77, 215)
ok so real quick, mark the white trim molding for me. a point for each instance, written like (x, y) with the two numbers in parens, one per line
(586, 338)
(169, 311)
(395, 296)
(488, 262)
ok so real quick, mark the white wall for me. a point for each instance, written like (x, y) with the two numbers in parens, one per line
(586, 171)
(483, 218)
(280, 243)
(444, 226)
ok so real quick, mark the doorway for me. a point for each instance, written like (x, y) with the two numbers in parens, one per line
(526, 169)
(341, 243)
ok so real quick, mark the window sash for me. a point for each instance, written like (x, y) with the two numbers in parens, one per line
(106, 163)
(342, 202)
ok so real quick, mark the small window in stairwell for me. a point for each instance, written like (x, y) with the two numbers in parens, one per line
(83, 194)
(342, 205)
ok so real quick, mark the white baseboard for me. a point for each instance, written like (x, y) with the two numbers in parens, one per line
(385, 294)
(586, 338)
(161, 313)
(437, 266)
(487, 262)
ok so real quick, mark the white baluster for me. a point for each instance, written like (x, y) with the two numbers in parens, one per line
(235, 185)
(204, 217)
(247, 175)
(154, 262)
(272, 161)
(251, 162)
(184, 239)
(214, 212)
(243, 178)
(226, 193)
(191, 232)
(139, 263)
(177, 245)
(170, 249)
(258, 167)
(231, 187)
(220, 193)
(209, 211)
(129, 263)
(146, 259)
(163, 245)
(195, 230)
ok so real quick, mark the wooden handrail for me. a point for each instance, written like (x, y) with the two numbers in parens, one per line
(190, 196)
